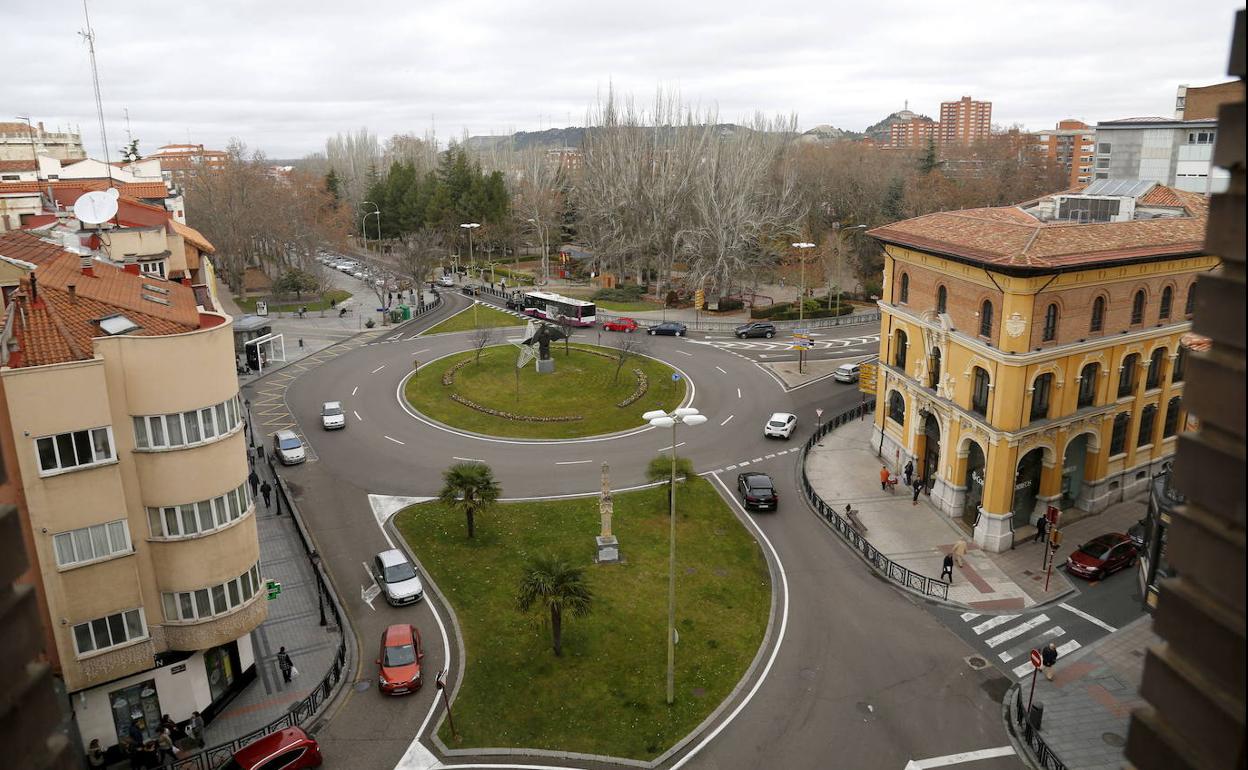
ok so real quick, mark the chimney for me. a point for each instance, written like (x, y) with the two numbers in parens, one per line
(131, 264)
(88, 267)
(34, 291)
(73, 294)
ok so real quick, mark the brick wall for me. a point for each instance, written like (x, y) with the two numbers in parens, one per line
(1074, 319)
(964, 297)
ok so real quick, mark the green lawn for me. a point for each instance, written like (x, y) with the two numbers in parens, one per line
(310, 302)
(582, 384)
(606, 695)
(614, 306)
(483, 317)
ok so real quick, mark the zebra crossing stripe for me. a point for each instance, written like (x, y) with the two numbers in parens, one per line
(1065, 649)
(969, 616)
(992, 623)
(1018, 630)
(1034, 643)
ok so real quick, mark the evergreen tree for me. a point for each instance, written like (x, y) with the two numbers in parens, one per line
(929, 162)
(333, 185)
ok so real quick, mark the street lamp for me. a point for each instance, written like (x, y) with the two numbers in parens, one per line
(470, 226)
(801, 297)
(686, 415)
(315, 558)
(364, 219)
(836, 227)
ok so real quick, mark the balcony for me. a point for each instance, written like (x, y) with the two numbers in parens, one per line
(219, 630)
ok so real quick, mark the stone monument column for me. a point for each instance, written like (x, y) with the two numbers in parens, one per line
(608, 545)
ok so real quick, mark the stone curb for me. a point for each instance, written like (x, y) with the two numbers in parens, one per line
(1021, 749)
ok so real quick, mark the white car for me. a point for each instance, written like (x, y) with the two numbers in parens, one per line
(332, 417)
(446, 280)
(846, 373)
(288, 448)
(780, 425)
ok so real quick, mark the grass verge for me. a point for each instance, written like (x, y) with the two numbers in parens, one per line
(483, 317)
(606, 695)
(338, 296)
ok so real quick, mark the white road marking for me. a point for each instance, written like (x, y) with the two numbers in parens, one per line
(664, 449)
(1069, 647)
(573, 462)
(992, 623)
(418, 352)
(1087, 617)
(959, 759)
(770, 456)
(1024, 670)
(685, 353)
(395, 440)
(721, 370)
(730, 467)
(467, 459)
(378, 369)
(1018, 630)
(368, 594)
(969, 616)
(758, 459)
(1034, 643)
(355, 390)
(727, 420)
(742, 464)
(738, 393)
(357, 415)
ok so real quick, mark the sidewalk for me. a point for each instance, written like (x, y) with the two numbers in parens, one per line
(1088, 704)
(843, 469)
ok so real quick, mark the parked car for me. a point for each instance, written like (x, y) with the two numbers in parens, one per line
(847, 373)
(397, 578)
(288, 448)
(1102, 556)
(332, 417)
(780, 425)
(757, 491)
(620, 325)
(288, 749)
(398, 666)
(670, 328)
(756, 329)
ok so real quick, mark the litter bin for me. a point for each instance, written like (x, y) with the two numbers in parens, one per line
(396, 315)
(406, 311)
(1036, 716)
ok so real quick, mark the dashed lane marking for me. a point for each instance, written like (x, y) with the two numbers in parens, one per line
(727, 420)
(467, 459)
(357, 415)
(355, 390)
(721, 370)
(378, 369)
(573, 462)
(395, 440)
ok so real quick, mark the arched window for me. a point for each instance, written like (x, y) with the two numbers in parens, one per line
(942, 299)
(1154, 369)
(985, 319)
(896, 408)
(933, 369)
(979, 395)
(1191, 299)
(904, 295)
(1137, 308)
(1126, 375)
(1171, 425)
(1098, 314)
(1118, 442)
(1041, 392)
(1167, 298)
(900, 343)
(1180, 365)
(1050, 323)
(1087, 385)
(1147, 418)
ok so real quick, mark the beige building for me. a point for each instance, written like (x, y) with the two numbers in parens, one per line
(128, 436)
(26, 141)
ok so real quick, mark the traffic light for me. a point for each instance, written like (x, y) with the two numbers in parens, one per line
(1055, 538)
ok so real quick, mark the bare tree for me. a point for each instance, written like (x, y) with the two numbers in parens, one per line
(418, 254)
(626, 347)
(537, 199)
(482, 338)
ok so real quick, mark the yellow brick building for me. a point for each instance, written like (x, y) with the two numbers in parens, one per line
(1033, 355)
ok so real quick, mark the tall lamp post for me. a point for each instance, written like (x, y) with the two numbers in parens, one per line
(470, 226)
(836, 227)
(363, 222)
(686, 415)
(801, 296)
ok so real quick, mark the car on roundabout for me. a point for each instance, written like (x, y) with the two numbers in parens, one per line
(397, 578)
(757, 491)
(288, 749)
(847, 373)
(669, 328)
(332, 416)
(1102, 556)
(780, 425)
(755, 329)
(623, 324)
(398, 665)
(447, 280)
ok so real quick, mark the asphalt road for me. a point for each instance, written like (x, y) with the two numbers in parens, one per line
(864, 676)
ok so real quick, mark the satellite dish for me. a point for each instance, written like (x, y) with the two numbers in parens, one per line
(96, 207)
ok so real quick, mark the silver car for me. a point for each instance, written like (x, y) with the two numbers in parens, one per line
(397, 578)
(288, 448)
(332, 417)
(846, 373)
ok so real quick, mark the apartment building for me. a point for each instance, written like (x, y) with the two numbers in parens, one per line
(965, 121)
(126, 433)
(1202, 102)
(1176, 153)
(1032, 355)
(1070, 146)
(913, 133)
(26, 141)
(177, 161)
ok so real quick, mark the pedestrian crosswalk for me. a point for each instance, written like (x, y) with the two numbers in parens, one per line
(1011, 638)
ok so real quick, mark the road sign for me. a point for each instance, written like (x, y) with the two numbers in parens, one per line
(867, 377)
(818, 412)
(699, 299)
(262, 307)
(273, 588)
(675, 377)
(440, 680)
(1036, 660)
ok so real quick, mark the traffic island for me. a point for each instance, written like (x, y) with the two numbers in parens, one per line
(606, 694)
(483, 317)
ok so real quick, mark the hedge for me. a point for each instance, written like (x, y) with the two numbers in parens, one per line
(787, 311)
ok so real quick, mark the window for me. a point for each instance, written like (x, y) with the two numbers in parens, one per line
(1102, 162)
(80, 449)
(1190, 305)
(1098, 314)
(1171, 425)
(1137, 308)
(156, 268)
(1180, 364)
(896, 408)
(1147, 418)
(93, 543)
(1118, 441)
(1041, 391)
(1087, 385)
(1154, 369)
(193, 427)
(933, 369)
(173, 521)
(979, 395)
(904, 296)
(1050, 323)
(899, 350)
(111, 631)
(1167, 297)
(1126, 375)
(942, 299)
(1103, 148)
(985, 319)
(207, 603)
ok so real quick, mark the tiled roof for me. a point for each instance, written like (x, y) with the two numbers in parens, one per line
(17, 165)
(131, 189)
(195, 237)
(1011, 237)
(59, 328)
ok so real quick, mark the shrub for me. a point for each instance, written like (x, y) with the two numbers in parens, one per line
(672, 299)
(630, 293)
(660, 469)
(787, 311)
(728, 303)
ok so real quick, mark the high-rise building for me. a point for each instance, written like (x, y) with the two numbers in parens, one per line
(1202, 102)
(1177, 153)
(913, 133)
(1071, 146)
(177, 161)
(965, 121)
(1031, 355)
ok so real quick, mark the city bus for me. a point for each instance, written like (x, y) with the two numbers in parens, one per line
(558, 308)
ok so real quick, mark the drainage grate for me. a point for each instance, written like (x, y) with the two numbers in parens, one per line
(976, 662)
(1114, 739)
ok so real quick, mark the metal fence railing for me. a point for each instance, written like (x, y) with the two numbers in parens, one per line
(847, 530)
(1031, 736)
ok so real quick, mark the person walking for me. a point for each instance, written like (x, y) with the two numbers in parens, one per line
(918, 487)
(946, 568)
(285, 664)
(1042, 527)
(164, 744)
(959, 551)
(884, 474)
(197, 728)
(908, 471)
(1048, 656)
(254, 481)
(266, 491)
(95, 754)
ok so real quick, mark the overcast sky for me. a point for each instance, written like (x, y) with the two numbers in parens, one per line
(282, 75)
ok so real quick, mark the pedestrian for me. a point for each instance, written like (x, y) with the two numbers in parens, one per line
(884, 474)
(197, 728)
(135, 733)
(1048, 657)
(254, 480)
(946, 568)
(959, 551)
(266, 491)
(1042, 526)
(164, 744)
(918, 487)
(175, 732)
(285, 664)
(95, 754)
(908, 471)
(333, 302)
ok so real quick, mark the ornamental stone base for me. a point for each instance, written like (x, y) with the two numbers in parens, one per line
(608, 549)
(546, 366)
(993, 532)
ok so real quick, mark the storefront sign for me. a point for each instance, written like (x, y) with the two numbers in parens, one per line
(178, 669)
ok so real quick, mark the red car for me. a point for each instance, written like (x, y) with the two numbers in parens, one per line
(620, 325)
(1102, 556)
(399, 672)
(289, 749)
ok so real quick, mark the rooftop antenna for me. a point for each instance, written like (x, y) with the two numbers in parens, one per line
(89, 36)
(129, 136)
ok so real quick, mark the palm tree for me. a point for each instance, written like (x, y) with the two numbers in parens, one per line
(553, 583)
(469, 487)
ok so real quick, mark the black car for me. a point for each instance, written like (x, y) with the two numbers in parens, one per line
(469, 290)
(757, 329)
(757, 491)
(670, 328)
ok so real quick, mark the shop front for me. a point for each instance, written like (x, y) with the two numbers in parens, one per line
(1027, 486)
